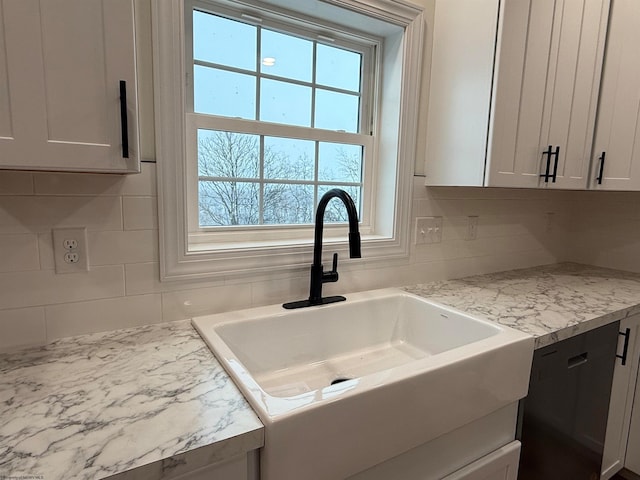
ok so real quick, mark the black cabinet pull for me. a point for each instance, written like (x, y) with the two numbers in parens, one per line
(548, 152)
(123, 119)
(555, 164)
(625, 349)
(601, 169)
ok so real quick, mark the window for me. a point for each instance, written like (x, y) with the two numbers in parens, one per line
(261, 107)
(278, 120)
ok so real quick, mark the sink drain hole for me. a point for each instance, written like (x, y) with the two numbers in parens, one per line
(339, 380)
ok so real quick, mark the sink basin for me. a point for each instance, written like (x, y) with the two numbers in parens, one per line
(289, 354)
(366, 379)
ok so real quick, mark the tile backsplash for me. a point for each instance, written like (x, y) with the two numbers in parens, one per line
(605, 229)
(516, 228)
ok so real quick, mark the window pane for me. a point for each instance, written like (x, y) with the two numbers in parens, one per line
(339, 162)
(283, 102)
(289, 159)
(286, 56)
(212, 36)
(336, 211)
(228, 154)
(338, 68)
(288, 204)
(218, 92)
(336, 111)
(228, 203)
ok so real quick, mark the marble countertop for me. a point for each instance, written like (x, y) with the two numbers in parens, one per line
(149, 402)
(551, 302)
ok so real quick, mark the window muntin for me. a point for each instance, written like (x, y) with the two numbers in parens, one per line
(288, 78)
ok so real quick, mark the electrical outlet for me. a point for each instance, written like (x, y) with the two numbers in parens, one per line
(70, 250)
(71, 257)
(428, 230)
(472, 228)
(70, 243)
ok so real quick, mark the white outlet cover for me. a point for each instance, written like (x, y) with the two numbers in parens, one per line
(70, 241)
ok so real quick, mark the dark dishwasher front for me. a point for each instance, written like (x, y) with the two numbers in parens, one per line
(563, 419)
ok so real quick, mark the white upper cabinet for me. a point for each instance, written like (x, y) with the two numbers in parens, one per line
(523, 95)
(68, 97)
(616, 152)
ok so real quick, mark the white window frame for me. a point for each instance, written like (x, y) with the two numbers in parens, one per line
(182, 256)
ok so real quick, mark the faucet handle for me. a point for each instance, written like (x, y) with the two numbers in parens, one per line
(331, 276)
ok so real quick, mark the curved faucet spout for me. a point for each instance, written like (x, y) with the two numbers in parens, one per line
(318, 275)
(352, 213)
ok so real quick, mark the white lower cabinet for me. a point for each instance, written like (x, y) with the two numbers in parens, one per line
(499, 465)
(242, 467)
(621, 431)
(483, 447)
(632, 459)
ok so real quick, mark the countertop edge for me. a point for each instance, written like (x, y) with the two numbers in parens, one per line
(583, 327)
(208, 455)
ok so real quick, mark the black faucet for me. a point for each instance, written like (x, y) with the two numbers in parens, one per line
(318, 276)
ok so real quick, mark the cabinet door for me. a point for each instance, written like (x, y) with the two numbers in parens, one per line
(621, 402)
(499, 465)
(632, 458)
(545, 92)
(464, 38)
(66, 63)
(241, 467)
(618, 129)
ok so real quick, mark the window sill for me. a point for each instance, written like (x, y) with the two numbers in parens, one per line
(204, 261)
(302, 243)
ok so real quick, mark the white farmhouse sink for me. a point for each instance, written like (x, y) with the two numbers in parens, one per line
(405, 371)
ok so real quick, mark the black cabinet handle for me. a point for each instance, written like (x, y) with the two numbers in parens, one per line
(601, 169)
(555, 164)
(548, 152)
(123, 119)
(625, 349)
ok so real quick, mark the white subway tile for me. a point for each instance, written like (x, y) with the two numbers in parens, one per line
(183, 304)
(22, 327)
(45, 249)
(15, 183)
(18, 253)
(45, 287)
(71, 319)
(143, 183)
(145, 278)
(117, 247)
(140, 213)
(280, 290)
(20, 214)
(368, 279)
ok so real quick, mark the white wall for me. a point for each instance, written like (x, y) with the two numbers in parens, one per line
(122, 287)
